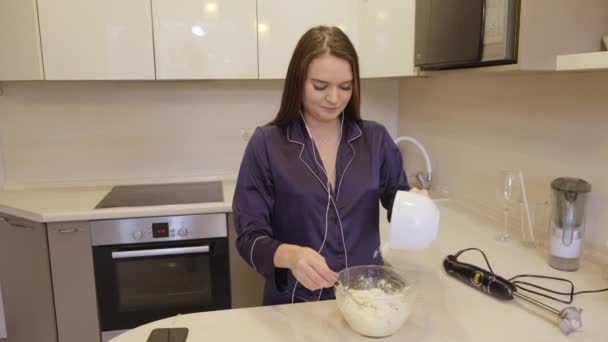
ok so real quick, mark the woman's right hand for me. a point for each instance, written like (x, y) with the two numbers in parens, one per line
(308, 266)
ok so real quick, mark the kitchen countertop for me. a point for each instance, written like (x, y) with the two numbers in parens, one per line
(447, 310)
(78, 203)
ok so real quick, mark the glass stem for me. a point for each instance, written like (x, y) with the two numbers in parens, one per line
(506, 222)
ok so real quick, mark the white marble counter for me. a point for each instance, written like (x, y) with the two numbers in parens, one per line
(447, 309)
(78, 203)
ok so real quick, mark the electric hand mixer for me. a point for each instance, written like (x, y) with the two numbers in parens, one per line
(569, 318)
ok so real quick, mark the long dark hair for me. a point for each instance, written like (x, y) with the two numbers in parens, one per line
(314, 43)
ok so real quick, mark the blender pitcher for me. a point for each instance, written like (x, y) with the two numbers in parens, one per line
(569, 197)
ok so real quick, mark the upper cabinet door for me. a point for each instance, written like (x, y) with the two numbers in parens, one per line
(20, 57)
(205, 39)
(96, 39)
(281, 24)
(386, 38)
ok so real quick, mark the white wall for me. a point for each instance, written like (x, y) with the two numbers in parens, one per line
(548, 125)
(70, 133)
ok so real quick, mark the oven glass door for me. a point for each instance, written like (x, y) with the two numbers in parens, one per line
(140, 283)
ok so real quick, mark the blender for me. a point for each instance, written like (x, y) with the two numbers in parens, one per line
(569, 197)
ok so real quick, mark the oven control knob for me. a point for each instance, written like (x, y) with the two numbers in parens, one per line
(138, 235)
(183, 232)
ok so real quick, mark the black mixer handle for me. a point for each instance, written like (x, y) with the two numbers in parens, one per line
(483, 280)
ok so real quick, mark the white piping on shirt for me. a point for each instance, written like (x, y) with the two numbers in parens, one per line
(338, 195)
(293, 292)
(326, 187)
(329, 198)
(349, 162)
(251, 252)
(305, 163)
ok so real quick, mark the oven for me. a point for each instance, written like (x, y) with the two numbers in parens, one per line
(151, 268)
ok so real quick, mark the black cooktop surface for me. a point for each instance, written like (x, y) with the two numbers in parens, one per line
(162, 194)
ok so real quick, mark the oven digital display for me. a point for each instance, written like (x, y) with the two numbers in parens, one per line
(160, 230)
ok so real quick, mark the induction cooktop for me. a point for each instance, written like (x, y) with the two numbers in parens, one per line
(162, 194)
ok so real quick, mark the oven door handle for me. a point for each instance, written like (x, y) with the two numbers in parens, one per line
(160, 251)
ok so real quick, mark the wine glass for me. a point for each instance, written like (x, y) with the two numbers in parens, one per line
(507, 194)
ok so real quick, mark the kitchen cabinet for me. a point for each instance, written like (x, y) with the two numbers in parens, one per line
(557, 35)
(25, 281)
(386, 38)
(205, 39)
(549, 28)
(583, 61)
(281, 23)
(2, 318)
(382, 32)
(96, 39)
(20, 58)
(246, 285)
(193, 39)
(73, 281)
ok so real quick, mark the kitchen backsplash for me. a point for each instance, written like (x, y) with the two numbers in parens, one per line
(473, 124)
(83, 133)
(546, 124)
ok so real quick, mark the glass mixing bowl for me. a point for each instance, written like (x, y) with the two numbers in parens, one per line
(375, 300)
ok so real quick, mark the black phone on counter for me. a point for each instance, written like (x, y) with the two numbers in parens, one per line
(168, 335)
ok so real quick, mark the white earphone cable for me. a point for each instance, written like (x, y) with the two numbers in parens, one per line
(330, 200)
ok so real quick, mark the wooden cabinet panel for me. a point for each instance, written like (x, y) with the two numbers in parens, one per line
(200, 39)
(21, 58)
(74, 281)
(97, 39)
(25, 274)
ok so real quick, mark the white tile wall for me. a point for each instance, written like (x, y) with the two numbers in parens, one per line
(64, 133)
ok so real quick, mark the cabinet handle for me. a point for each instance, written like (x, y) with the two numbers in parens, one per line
(67, 230)
(16, 225)
(3, 333)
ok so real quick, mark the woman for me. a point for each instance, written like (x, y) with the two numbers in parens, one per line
(306, 199)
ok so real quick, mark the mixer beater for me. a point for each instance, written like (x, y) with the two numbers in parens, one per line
(568, 319)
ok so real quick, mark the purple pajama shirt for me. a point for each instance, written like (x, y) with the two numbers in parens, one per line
(281, 196)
